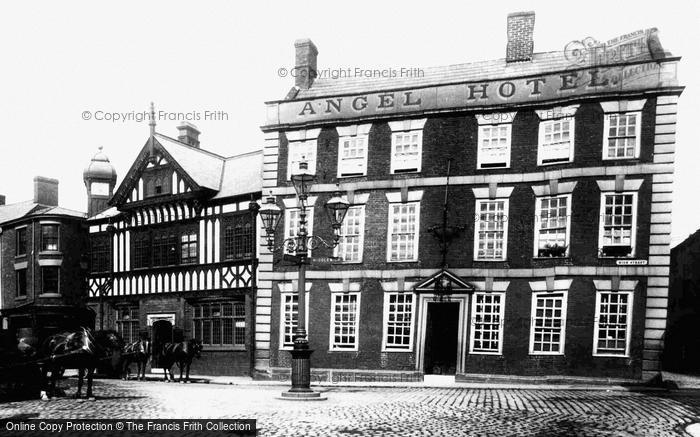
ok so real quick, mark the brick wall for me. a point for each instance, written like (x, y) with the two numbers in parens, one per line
(455, 136)
(515, 359)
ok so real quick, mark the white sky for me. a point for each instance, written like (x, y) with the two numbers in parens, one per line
(62, 58)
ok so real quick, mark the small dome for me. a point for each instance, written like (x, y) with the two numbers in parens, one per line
(100, 168)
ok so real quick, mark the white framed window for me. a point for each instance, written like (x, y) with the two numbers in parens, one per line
(613, 323)
(552, 226)
(494, 146)
(352, 235)
(345, 321)
(618, 223)
(622, 135)
(556, 141)
(491, 230)
(406, 145)
(404, 224)
(353, 150)
(487, 323)
(292, 217)
(301, 151)
(406, 151)
(289, 318)
(399, 314)
(548, 323)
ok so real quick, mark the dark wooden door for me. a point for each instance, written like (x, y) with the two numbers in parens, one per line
(441, 338)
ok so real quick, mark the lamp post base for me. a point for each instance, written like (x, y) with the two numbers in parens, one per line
(301, 376)
(302, 396)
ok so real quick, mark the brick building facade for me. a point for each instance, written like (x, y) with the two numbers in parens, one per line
(42, 268)
(560, 178)
(173, 257)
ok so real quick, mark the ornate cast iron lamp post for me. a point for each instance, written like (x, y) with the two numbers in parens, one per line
(299, 245)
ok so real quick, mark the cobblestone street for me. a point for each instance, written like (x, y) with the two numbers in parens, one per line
(387, 411)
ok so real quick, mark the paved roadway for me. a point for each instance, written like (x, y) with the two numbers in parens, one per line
(387, 411)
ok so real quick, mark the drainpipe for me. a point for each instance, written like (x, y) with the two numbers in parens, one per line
(2, 291)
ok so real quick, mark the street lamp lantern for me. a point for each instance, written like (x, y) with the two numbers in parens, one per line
(270, 215)
(337, 208)
(302, 180)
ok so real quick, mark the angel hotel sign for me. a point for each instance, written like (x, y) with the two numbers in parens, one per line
(545, 87)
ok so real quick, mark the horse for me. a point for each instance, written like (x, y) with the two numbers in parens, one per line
(181, 353)
(77, 349)
(138, 352)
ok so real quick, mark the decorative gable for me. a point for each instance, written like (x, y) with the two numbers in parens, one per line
(154, 173)
(446, 280)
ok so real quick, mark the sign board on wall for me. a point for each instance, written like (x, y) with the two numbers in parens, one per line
(545, 87)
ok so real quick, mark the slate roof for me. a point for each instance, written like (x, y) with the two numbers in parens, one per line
(226, 176)
(29, 208)
(545, 62)
(16, 210)
(242, 174)
(202, 166)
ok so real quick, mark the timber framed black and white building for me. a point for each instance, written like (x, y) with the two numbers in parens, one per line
(172, 248)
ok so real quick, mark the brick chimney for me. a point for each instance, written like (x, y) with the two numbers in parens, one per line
(521, 25)
(305, 63)
(188, 134)
(46, 191)
(2, 200)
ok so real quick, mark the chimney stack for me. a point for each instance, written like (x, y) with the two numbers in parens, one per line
(305, 63)
(46, 191)
(2, 200)
(521, 26)
(188, 134)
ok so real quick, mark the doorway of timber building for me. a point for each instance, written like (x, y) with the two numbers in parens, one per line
(441, 338)
(162, 333)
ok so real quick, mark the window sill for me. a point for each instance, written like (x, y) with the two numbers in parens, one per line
(546, 354)
(617, 257)
(544, 258)
(494, 354)
(219, 348)
(402, 351)
(609, 356)
(402, 261)
(20, 298)
(500, 167)
(354, 175)
(635, 158)
(21, 257)
(490, 260)
(349, 262)
(342, 350)
(50, 252)
(547, 164)
(50, 295)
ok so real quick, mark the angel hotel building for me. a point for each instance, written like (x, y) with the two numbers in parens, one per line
(507, 217)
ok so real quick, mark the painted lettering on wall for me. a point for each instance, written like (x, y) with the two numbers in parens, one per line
(554, 86)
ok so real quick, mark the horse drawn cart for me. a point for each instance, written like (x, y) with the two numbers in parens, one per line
(20, 370)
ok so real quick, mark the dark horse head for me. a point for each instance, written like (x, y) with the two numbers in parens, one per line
(196, 347)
